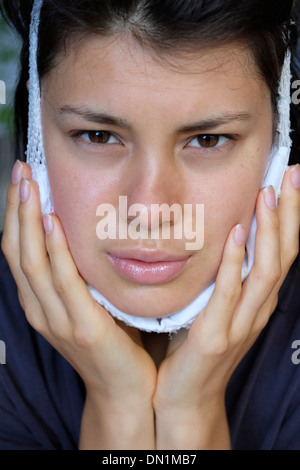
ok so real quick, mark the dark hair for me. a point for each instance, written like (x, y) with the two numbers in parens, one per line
(164, 26)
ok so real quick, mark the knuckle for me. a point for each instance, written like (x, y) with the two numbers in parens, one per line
(260, 323)
(34, 320)
(265, 314)
(26, 266)
(56, 330)
(275, 274)
(218, 345)
(62, 287)
(32, 268)
(230, 295)
(270, 276)
(84, 338)
(240, 335)
(6, 246)
(29, 267)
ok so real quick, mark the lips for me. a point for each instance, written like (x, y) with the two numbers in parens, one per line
(148, 267)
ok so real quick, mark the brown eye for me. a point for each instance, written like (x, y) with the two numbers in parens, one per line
(96, 138)
(208, 141)
(99, 137)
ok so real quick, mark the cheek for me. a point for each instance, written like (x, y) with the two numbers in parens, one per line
(229, 199)
(77, 193)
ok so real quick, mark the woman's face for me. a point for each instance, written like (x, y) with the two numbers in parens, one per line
(192, 130)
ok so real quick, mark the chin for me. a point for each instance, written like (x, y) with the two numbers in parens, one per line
(147, 301)
(152, 304)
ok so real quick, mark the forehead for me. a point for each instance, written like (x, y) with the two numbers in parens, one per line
(118, 71)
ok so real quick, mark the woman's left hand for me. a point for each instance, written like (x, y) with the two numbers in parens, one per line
(189, 401)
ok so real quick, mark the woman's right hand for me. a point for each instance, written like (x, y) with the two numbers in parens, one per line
(119, 375)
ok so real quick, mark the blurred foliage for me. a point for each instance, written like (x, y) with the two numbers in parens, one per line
(8, 56)
(7, 118)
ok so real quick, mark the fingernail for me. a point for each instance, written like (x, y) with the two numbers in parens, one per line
(48, 224)
(295, 176)
(270, 197)
(239, 234)
(17, 171)
(24, 190)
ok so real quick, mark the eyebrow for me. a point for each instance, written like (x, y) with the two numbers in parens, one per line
(200, 126)
(214, 122)
(96, 117)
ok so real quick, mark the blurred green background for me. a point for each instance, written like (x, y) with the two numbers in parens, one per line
(9, 69)
(8, 58)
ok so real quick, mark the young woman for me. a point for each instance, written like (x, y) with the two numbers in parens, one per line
(161, 102)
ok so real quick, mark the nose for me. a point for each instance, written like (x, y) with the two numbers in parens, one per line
(153, 180)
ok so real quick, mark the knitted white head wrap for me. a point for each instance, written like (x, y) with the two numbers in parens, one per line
(276, 167)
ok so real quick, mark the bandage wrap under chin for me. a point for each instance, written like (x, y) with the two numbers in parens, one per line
(276, 167)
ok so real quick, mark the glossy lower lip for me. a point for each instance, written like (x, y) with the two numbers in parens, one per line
(145, 272)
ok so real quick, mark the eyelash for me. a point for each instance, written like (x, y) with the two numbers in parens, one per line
(218, 147)
(78, 135)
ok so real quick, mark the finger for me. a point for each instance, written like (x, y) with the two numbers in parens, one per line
(33, 254)
(35, 264)
(219, 313)
(10, 238)
(289, 215)
(11, 244)
(266, 270)
(68, 283)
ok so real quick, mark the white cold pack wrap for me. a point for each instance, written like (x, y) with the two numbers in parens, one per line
(276, 167)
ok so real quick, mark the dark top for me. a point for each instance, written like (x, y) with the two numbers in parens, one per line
(42, 397)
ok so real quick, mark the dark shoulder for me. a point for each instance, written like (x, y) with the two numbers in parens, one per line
(289, 294)
(9, 301)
